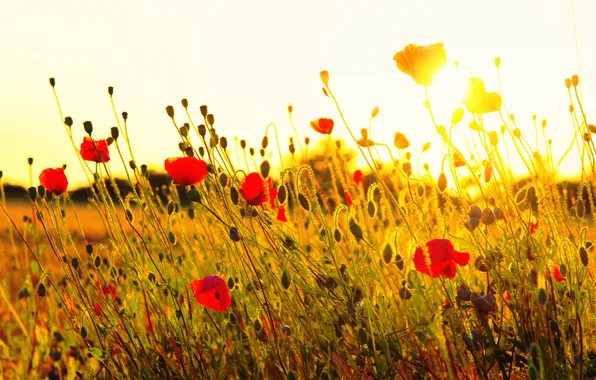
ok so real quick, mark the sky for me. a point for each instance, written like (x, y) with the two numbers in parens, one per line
(248, 60)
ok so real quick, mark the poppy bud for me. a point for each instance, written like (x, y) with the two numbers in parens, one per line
(499, 215)
(574, 80)
(97, 261)
(324, 75)
(583, 256)
(286, 281)
(404, 293)
(41, 191)
(223, 179)
(303, 202)
(111, 90)
(587, 137)
(579, 208)
(480, 264)
(488, 217)
(475, 212)
(41, 290)
(497, 62)
(184, 103)
(262, 152)
(211, 168)
(517, 133)
(356, 230)
(473, 222)
(407, 168)
(251, 151)
(191, 213)
(68, 121)
(223, 142)
(170, 111)
(109, 141)
(372, 209)
(542, 296)
(533, 277)
(88, 127)
(115, 133)
(387, 254)
(292, 148)
(265, 168)
(171, 207)
(32, 193)
(193, 195)
(144, 171)
(493, 138)
(202, 151)
(204, 111)
(442, 182)
(132, 164)
(290, 108)
(464, 293)
(211, 119)
(184, 131)
(234, 235)
(52, 82)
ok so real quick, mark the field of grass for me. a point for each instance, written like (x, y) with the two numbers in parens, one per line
(312, 270)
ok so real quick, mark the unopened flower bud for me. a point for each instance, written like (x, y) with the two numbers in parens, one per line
(290, 108)
(324, 77)
(574, 80)
(184, 103)
(223, 141)
(30, 160)
(170, 111)
(111, 90)
(88, 127)
(68, 121)
(202, 130)
(125, 115)
(568, 83)
(211, 119)
(204, 111)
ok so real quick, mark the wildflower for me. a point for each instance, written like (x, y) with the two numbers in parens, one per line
(97, 309)
(54, 180)
(212, 292)
(533, 225)
(442, 258)
(485, 304)
(358, 177)
(254, 192)
(365, 142)
(95, 150)
(480, 101)
(322, 125)
(186, 170)
(556, 274)
(401, 141)
(421, 62)
(281, 214)
(109, 290)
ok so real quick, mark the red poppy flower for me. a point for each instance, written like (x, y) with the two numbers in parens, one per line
(421, 62)
(348, 198)
(212, 292)
(358, 177)
(253, 190)
(322, 125)
(186, 170)
(96, 153)
(97, 309)
(109, 289)
(556, 274)
(442, 257)
(281, 214)
(54, 180)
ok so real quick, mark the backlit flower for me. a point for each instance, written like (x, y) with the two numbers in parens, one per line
(322, 125)
(480, 101)
(556, 272)
(95, 150)
(212, 292)
(421, 62)
(186, 170)
(281, 214)
(54, 180)
(401, 141)
(441, 259)
(358, 177)
(254, 192)
(109, 290)
(348, 198)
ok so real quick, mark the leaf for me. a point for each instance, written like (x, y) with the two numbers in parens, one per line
(96, 352)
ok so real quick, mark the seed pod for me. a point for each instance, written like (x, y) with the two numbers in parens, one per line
(399, 262)
(129, 215)
(83, 332)
(89, 248)
(464, 293)
(475, 212)
(265, 168)
(499, 215)
(97, 261)
(303, 202)
(223, 179)
(404, 293)
(211, 119)
(407, 168)
(488, 217)
(583, 256)
(286, 281)
(480, 264)
(231, 283)
(580, 208)
(282, 194)
(32, 193)
(204, 110)
(387, 254)
(234, 195)
(372, 209)
(171, 207)
(442, 182)
(265, 142)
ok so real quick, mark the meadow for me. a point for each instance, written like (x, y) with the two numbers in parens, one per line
(304, 266)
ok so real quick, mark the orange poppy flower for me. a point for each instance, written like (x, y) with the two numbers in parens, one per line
(358, 177)
(212, 292)
(97, 152)
(281, 214)
(186, 170)
(421, 62)
(322, 125)
(480, 101)
(556, 274)
(254, 192)
(54, 180)
(442, 259)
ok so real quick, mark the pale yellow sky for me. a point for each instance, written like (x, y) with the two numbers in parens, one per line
(249, 60)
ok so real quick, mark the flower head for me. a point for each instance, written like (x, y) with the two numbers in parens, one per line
(254, 192)
(480, 101)
(442, 258)
(54, 180)
(212, 292)
(421, 62)
(556, 272)
(322, 125)
(186, 170)
(109, 290)
(358, 177)
(281, 214)
(95, 150)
